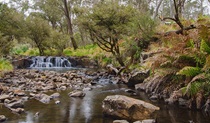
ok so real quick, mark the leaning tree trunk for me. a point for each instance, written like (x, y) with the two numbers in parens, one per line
(70, 29)
(120, 60)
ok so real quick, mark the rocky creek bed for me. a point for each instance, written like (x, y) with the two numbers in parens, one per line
(76, 96)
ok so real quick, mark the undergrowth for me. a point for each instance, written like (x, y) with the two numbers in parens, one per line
(5, 66)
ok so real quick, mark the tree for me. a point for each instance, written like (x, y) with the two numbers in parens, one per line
(178, 6)
(58, 41)
(66, 9)
(109, 23)
(12, 22)
(50, 11)
(12, 27)
(39, 32)
(54, 11)
(157, 8)
(5, 45)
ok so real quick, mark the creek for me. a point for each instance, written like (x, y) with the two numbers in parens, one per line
(89, 108)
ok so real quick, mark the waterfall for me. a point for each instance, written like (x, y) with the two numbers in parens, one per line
(49, 62)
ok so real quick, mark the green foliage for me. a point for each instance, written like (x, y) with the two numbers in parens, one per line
(146, 25)
(50, 11)
(5, 65)
(131, 49)
(58, 41)
(88, 50)
(107, 60)
(12, 22)
(189, 71)
(204, 47)
(207, 64)
(5, 44)
(20, 49)
(32, 52)
(199, 59)
(39, 31)
(192, 88)
(204, 31)
(191, 44)
(67, 52)
(110, 22)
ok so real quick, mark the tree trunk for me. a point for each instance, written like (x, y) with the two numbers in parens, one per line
(70, 29)
(41, 50)
(157, 9)
(120, 60)
(171, 8)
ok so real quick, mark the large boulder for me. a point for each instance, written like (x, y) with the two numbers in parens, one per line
(22, 63)
(138, 77)
(127, 108)
(83, 61)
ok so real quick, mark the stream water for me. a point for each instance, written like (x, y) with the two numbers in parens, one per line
(89, 110)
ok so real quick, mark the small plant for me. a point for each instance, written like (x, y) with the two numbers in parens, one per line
(189, 71)
(20, 49)
(204, 47)
(68, 52)
(5, 65)
(192, 88)
(32, 52)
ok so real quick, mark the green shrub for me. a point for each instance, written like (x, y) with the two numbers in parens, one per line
(88, 50)
(67, 52)
(20, 49)
(5, 65)
(32, 52)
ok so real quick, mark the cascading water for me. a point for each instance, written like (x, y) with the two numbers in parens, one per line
(49, 62)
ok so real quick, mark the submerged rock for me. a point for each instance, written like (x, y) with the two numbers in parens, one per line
(16, 104)
(120, 121)
(18, 110)
(44, 98)
(2, 118)
(55, 95)
(148, 121)
(127, 108)
(87, 89)
(57, 102)
(77, 93)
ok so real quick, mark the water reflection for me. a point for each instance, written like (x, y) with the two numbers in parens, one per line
(88, 109)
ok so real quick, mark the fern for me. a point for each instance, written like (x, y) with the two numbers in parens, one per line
(192, 88)
(189, 71)
(191, 44)
(199, 59)
(207, 64)
(204, 47)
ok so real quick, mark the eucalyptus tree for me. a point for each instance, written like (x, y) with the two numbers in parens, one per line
(58, 13)
(49, 10)
(67, 9)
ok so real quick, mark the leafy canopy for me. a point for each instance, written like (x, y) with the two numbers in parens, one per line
(110, 23)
